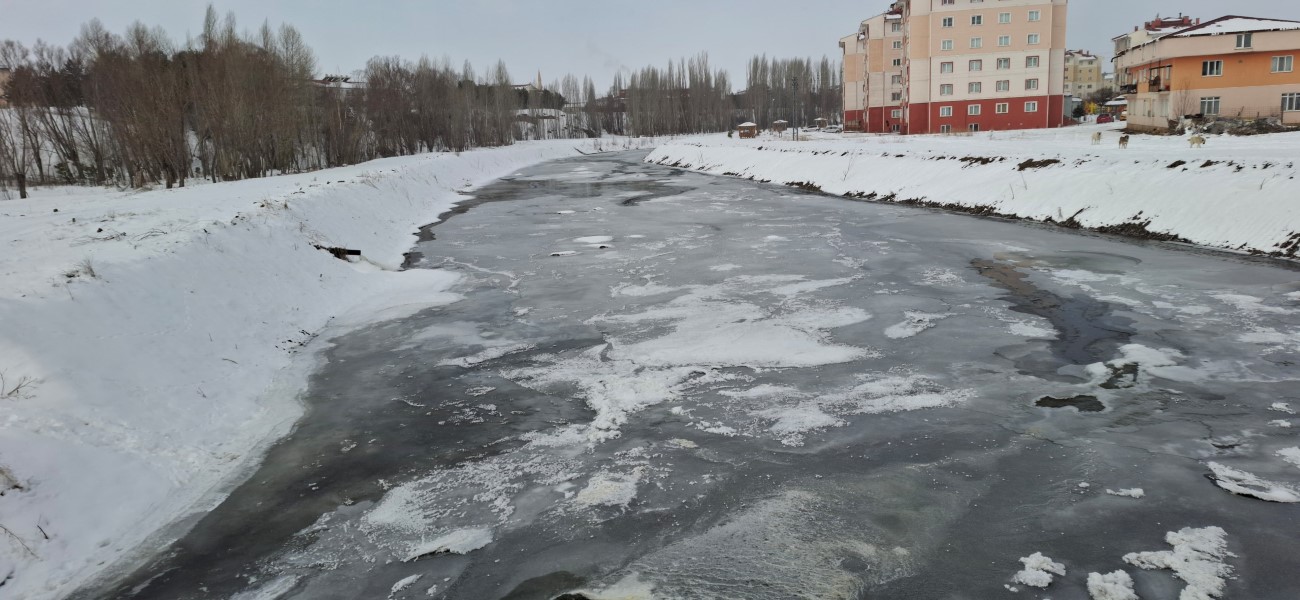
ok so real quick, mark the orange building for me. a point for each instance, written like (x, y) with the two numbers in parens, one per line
(1232, 67)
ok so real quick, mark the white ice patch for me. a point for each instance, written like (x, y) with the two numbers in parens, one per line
(726, 267)
(275, 589)
(1128, 492)
(1282, 407)
(1250, 304)
(1291, 455)
(1111, 586)
(564, 212)
(1243, 483)
(404, 583)
(1031, 330)
(940, 276)
(789, 424)
(803, 287)
(461, 541)
(1197, 558)
(609, 489)
(594, 239)
(916, 323)
(1038, 571)
(564, 253)
(628, 588)
(1283, 423)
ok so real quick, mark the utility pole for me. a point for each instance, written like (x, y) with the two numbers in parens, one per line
(794, 118)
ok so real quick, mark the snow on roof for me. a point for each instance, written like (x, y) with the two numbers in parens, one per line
(780, 121)
(1118, 102)
(1235, 24)
(748, 124)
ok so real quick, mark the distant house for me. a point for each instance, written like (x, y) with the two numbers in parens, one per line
(780, 126)
(5, 75)
(748, 130)
(1236, 67)
(1082, 73)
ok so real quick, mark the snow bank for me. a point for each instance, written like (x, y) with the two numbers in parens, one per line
(1235, 193)
(161, 332)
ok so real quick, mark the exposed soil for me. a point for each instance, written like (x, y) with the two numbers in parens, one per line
(1080, 403)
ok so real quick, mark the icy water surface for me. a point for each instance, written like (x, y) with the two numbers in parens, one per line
(663, 385)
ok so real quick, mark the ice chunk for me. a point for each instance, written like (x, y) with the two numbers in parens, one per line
(594, 239)
(1038, 570)
(461, 541)
(1197, 558)
(1111, 586)
(1283, 423)
(609, 489)
(916, 323)
(404, 583)
(1282, 407)
(1248, 484)
(1291, 455)
(1128, 493)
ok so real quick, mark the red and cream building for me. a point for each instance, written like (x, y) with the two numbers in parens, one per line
(941, 66)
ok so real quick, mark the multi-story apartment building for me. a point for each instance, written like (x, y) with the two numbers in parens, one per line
(1082, 73)
(1240, 67)
(1141, 35)
(938, 66)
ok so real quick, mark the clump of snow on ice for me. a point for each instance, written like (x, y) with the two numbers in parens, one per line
(461, 541)
(1243, 483)
(803, 287)
(594, 239)
(404, 583)
(1283, 423)
(628, 588)
(1111, 586)
(564, 253)
(1251, 304)
(638, 291)
(1031, 331)
(725, 267)
(915, 323)
(1038, 571)
(1282, 407)
(1128, 492)
(491, 353)
(564, 212)
(609, 489)
(1197, 558)
(940, 276)
(790, 423)
(1291, 455)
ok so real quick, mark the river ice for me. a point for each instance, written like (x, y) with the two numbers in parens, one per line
(665, 385)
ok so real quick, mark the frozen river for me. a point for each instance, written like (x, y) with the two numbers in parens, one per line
(665, 385)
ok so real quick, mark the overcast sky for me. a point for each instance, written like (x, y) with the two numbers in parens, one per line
(596, 37)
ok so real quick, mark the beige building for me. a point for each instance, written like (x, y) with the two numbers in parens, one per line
(1140, 36)
(1082, 73)
(1237, 67)
(939, 66)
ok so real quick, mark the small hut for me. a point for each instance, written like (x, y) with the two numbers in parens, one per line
(748, 130)
(820, 123)
(780, 126)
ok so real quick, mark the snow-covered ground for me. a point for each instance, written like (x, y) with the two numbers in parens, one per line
(1236, 192)
(151, 343)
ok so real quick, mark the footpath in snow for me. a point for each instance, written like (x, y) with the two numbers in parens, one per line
(151, 343)
(1237, 193)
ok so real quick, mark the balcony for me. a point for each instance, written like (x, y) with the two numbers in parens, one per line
(1157, 85)
(1131, 88)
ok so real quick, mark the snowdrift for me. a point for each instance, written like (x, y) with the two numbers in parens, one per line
(159, 338)
(1236, 193)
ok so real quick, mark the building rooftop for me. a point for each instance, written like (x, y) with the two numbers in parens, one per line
(1235, 24)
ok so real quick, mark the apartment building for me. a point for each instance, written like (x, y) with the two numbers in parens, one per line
(1082, 73)
(1140, 36)
(939, 66)
(1237, 67)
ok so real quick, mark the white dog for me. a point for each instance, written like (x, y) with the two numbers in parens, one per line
(1196, 141)
(1096, 138)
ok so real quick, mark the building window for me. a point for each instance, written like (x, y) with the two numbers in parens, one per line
(1004, 63)
(1031, 107)
(945, 45)
(1002, 108)
(1210, 105)
(1283, 64)
(1035, 15)
(945, 111)
(1243, 40)
(977, 42)
(977, 65)
(1031, 84)
(898, 44)
(1291, 102)
(1004, 40)
(897, 113)
(974, 87)
(1032, 62)
(1034, 38)
(898, 62)
(945, 67)
(896, 79)
(945, 129)
(896, 96)
(1212, 68)
(973, 110)
(1004, 18)
(979, 20)
(896, 27)
(945, 89)
(1004, 85)
(947, 21)
(973, 127)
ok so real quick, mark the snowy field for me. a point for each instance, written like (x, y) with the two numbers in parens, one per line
(154, 342)
(1236, 192)
(664, 385)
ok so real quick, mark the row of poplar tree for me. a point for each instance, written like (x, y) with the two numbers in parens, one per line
(137, 110)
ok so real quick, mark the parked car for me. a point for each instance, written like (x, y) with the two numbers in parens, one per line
(1105, 118)
(834, 129)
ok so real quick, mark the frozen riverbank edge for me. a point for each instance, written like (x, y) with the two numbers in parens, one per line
(1235, 194)
(166, 336)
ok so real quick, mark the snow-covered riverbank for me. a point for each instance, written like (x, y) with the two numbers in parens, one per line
(155, 338)
(1235, 193)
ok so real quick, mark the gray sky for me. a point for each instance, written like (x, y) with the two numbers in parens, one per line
(595, 37)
